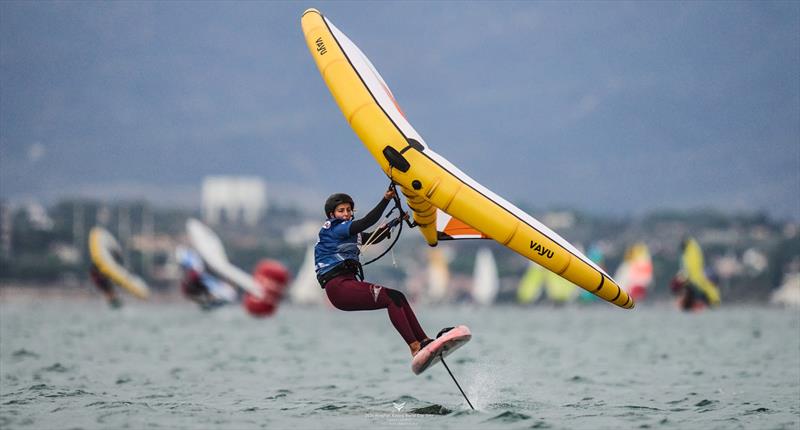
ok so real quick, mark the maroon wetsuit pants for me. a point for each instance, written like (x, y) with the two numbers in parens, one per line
(349, 294)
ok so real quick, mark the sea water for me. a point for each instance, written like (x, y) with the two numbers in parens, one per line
(76, 364)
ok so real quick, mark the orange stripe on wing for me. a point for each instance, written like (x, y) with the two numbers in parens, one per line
(455, 227)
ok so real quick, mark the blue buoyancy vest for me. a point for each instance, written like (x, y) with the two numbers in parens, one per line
(335, 245)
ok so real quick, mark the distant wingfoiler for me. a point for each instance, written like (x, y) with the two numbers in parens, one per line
(433, 187)
(106, 254)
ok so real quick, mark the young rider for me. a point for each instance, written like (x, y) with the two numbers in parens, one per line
(336, 258)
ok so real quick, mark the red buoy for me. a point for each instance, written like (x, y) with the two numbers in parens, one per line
(272, 277)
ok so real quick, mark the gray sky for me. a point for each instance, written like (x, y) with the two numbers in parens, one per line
(611, 107)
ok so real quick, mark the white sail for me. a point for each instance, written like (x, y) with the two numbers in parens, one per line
(485, 279)
(788, 294)
(305, 289)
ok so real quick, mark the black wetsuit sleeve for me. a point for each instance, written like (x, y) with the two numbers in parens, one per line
(379, 234)
(371, 218)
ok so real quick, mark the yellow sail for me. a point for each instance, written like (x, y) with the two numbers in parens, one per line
(694, 269)
(438, 275)
(430, 182)
(530, 286)
(559, 290)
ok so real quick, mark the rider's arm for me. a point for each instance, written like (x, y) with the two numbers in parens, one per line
(371, 218)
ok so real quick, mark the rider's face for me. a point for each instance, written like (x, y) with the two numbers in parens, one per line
(343, 211)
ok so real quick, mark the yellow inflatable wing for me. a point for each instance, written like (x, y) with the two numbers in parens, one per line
(693, 266)
(430, 182)
(102, 249)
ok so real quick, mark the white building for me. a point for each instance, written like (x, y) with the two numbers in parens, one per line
(233, 200)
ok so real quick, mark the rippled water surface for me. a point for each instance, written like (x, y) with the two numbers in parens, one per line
(77, 364)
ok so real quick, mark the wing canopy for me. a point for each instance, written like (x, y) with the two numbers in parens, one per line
(105, 251)
(211, 250)
(430, 182)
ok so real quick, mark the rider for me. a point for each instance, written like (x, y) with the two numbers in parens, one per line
(105, 286)
(690, 284)
(195, 284)
(339, 272)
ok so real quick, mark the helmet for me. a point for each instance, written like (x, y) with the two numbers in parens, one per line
(335, 200)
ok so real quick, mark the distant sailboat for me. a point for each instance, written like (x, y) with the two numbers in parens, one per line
(438, 275)
(305, 289)
(692, 265)
(530, 286)
(485, 279)
(558, 290)
(635, 273)
(788, 294)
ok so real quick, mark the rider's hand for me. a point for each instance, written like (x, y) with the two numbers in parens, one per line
(389, 194)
